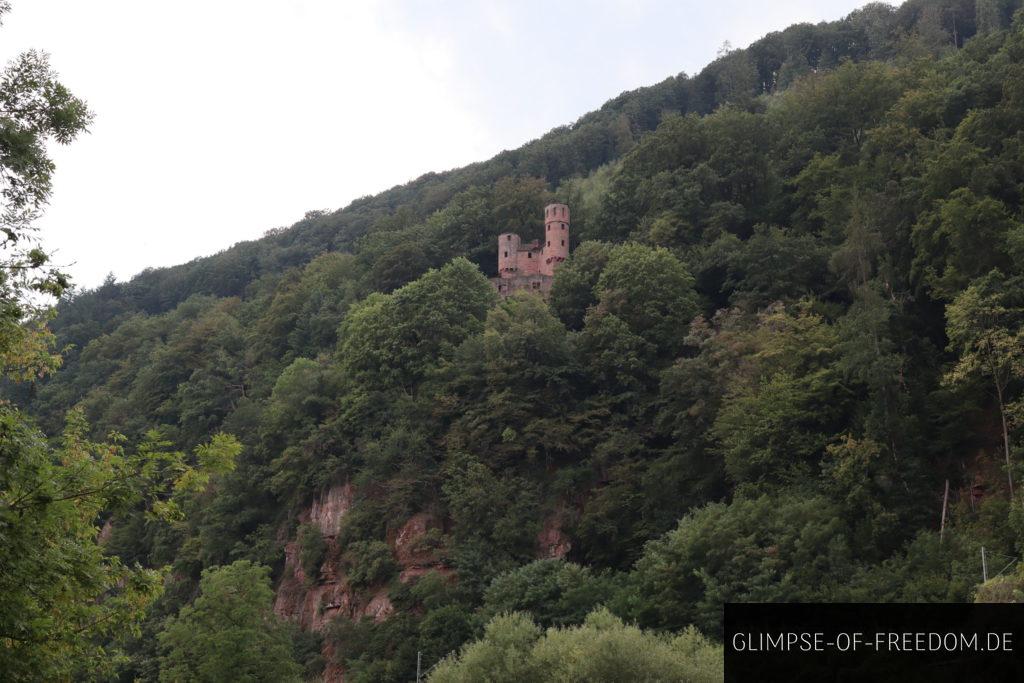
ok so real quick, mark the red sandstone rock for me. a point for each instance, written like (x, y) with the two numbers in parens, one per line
(330, 507)
(312, 602)
(552, 541)
(290, 591)
(334, 673)
(379, 607)
(105, 533)
(410, 573)
(408, 550)
(296, 599)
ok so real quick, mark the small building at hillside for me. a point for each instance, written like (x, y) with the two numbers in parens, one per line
(531, 266)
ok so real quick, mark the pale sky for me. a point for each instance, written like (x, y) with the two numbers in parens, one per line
(217, 120)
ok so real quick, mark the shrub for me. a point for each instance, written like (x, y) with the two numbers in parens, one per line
(370, 562)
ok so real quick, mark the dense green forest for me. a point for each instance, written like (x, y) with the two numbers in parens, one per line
(792, 320)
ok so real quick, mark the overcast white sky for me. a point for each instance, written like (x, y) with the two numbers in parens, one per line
(217, 120)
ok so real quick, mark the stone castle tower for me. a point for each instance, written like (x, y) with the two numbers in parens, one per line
(532, 266)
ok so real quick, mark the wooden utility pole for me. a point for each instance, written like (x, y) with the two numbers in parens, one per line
(945, 502)
(1006, 437)
(984, 565)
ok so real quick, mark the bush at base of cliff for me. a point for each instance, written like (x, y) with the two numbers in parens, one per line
(1002, 589)
(602, 649)
(312, 549)
(370, 562)
(553, 591)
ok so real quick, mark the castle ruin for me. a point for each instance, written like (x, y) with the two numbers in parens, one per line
(532, 266)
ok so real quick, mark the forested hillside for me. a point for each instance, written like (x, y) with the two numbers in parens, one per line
(794, 310)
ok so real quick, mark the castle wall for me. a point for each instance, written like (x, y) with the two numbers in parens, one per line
(530, 259)
(538, 283)
(532, 265)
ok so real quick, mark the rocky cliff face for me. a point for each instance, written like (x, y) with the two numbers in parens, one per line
(552, 540)
(313, 601)
(327, 510)
(414, 549)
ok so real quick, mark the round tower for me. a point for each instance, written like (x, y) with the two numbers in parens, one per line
(508, 247)
(556, 237)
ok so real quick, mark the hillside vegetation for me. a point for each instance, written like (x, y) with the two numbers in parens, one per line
(794, 311)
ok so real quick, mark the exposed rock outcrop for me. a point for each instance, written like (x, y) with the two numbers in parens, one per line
(327, 510)
(379, 607)
(416, 549)
(552, 540)
(313, 601)
(334, 672)
(105, 533)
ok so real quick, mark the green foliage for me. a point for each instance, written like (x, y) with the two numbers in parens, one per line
(651, 291)
(787, 548)
(37, 110)
(299, 398)
(57, 571)
(928, 569)
(229, 632)
(603, 648)
(503, 654)
(969, 237)
(1001, 589)
(376, 652)
(782, 398)
(395, 340)
(308, 648)
(512, 383)
(615, 358)
(985, 325)
(62, 597)
(68, 606)
(443, 631)
(312, 549)
(625, 512)
(52, 622)
(369, 563)
(572, 291)
(554, 592)
(494, 519)
(775, 264)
